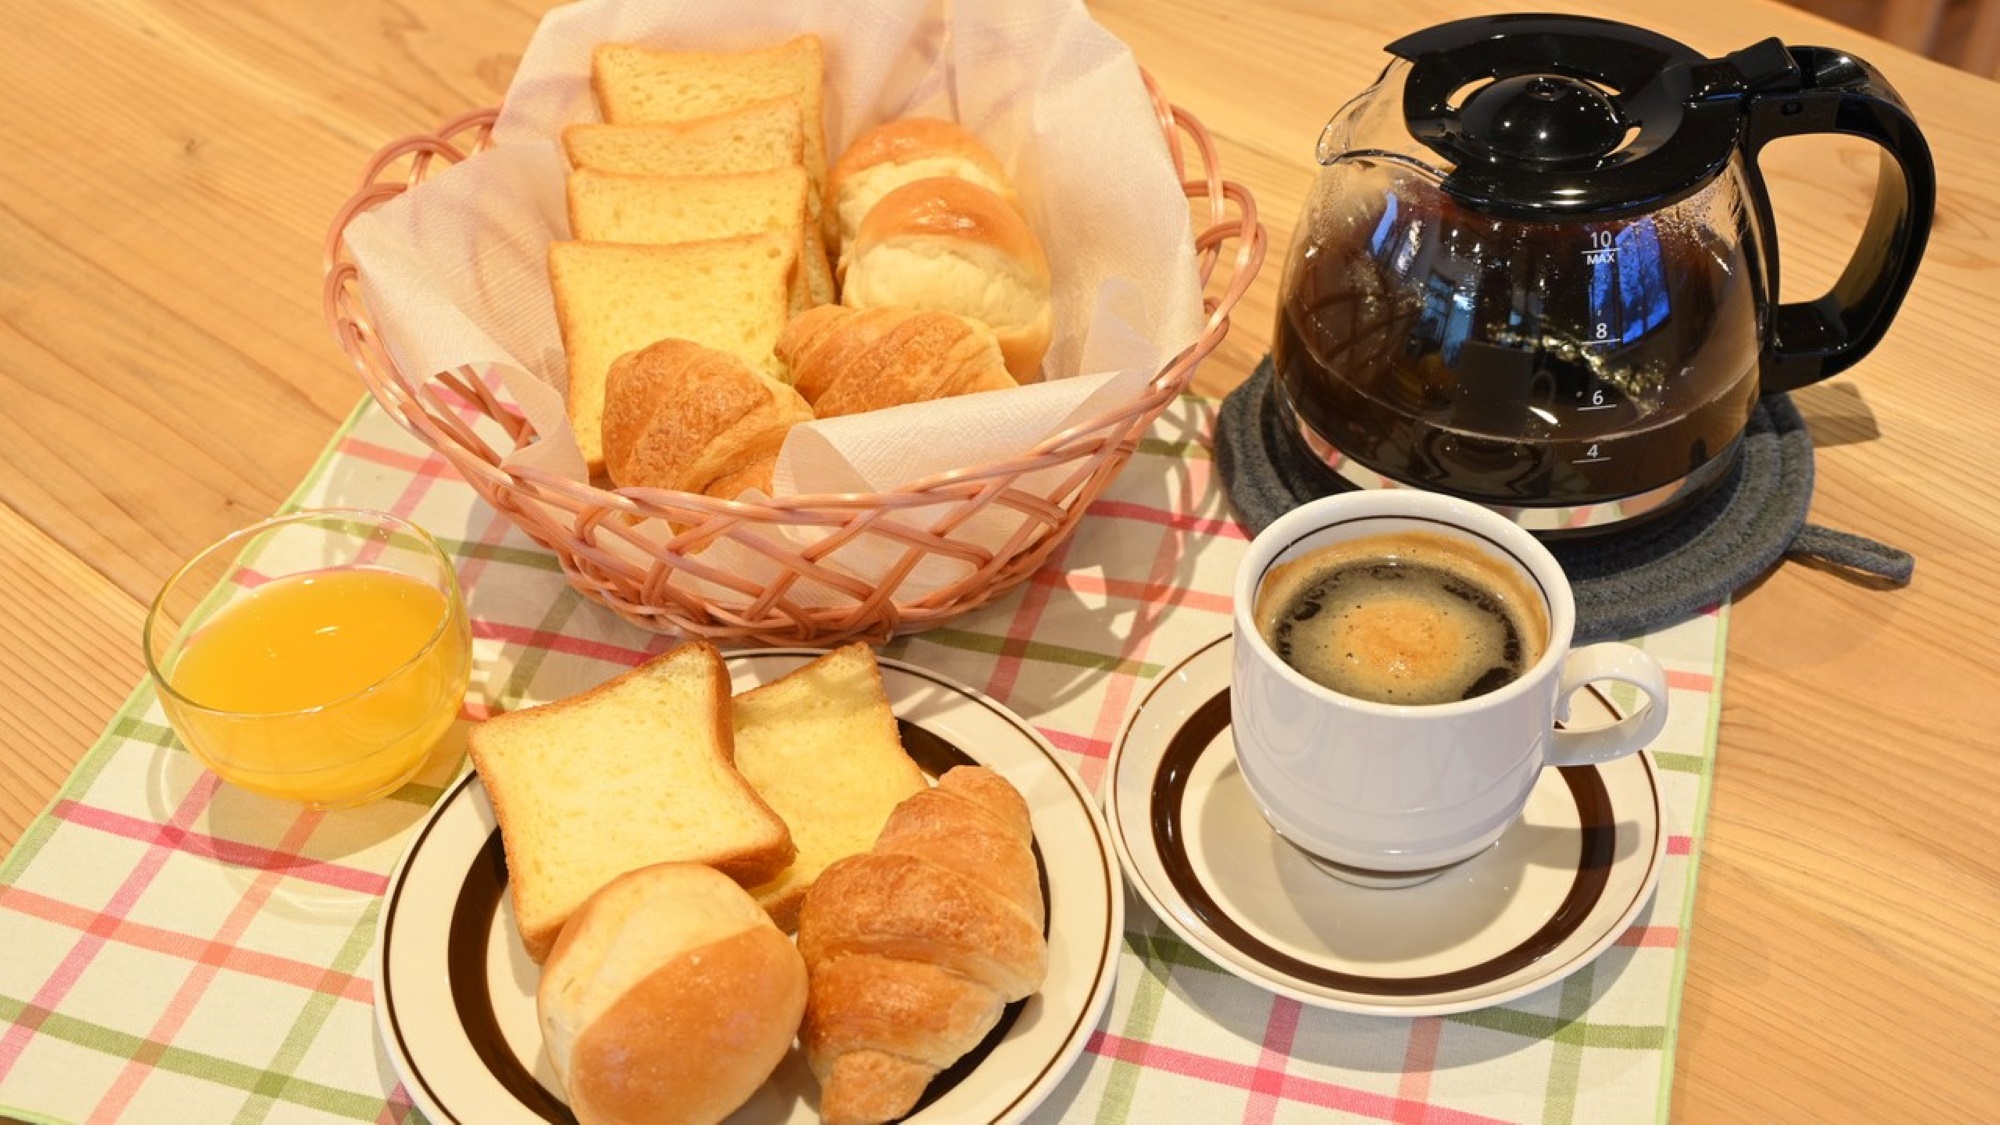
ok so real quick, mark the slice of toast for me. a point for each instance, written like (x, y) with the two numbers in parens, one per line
(639, 85)
(752, 138)
(821, 746)
(619, 207)
(636, 771)
(731, 294)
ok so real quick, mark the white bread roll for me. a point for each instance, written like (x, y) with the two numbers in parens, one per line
(669, 997)
(951, 245)
(893, 154)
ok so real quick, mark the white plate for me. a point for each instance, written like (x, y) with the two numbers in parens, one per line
(455, 1004)
(1556, 891)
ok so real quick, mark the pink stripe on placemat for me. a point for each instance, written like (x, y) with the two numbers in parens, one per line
(398, 1109)
(428, 465)
(203, 973)
(1014, 646)
(1268, 1080)
(557, 642)
(1419, 1059)
(1290, 1087)
(1076, 743)
(1651, 937)
(1690, 681)
(65, 976)
(1177, 521)
(233, 852)
(1153, 596)
(1145, 592)
(173, 943)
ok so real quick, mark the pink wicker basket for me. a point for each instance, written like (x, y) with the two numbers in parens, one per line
(642, 552)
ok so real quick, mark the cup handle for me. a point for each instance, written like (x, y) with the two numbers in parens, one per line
(1622, 663)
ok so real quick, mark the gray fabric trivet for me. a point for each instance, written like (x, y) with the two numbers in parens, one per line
(1629, 581)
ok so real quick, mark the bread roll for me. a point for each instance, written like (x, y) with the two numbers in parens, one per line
(893, 154)
(681, 416)
(914, 948)
(954, 246)
(669, 998)
(846, 361)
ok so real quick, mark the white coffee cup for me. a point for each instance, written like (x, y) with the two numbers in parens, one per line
(1390, 794)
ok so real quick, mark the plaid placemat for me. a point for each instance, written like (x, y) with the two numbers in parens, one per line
(175, 951)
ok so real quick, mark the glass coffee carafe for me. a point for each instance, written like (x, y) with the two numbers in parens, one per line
(1537, 268)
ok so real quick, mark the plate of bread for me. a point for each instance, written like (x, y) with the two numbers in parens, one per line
(783, 885)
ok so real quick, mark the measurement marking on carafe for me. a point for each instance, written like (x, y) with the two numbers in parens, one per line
(1590, 457)
(1605, 406)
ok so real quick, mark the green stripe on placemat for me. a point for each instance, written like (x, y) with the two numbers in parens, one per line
(277, 1084)
(195, 1064)
(1000, 644)
(1711, 738)
(125, 726)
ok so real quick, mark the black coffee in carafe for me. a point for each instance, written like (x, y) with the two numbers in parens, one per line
(1533, 364)
(1538, 267)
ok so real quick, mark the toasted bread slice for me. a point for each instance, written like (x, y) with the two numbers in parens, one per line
(821, 746)
(636, 771)
(731, 294)
(640, 85)
(618, 207)
(752, 138)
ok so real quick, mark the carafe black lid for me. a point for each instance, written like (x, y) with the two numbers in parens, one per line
(1553, 117)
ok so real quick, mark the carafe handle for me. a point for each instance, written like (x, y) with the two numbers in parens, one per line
(1839, 93)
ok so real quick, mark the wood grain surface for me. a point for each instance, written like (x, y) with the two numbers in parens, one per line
(172, 167)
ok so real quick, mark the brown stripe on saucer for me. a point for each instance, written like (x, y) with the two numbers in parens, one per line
(1599, 831)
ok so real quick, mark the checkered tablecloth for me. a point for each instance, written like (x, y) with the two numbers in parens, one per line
(174, 951)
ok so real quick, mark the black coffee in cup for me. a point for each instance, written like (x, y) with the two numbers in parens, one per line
(1411, 618)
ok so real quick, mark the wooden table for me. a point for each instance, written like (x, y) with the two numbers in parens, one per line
(172, 167)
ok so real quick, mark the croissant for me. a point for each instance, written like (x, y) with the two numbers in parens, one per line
(691, 418)
(913, 949)
(846, 361)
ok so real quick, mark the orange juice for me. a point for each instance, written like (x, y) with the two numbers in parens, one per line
(327, 686)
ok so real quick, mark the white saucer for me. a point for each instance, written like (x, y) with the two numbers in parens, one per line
(1557, 890)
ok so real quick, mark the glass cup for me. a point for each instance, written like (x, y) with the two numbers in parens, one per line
(316, 657)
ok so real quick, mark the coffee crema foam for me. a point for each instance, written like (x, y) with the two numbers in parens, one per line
(1408, 618)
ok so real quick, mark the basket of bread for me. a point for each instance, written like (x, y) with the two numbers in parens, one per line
(777, 331)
